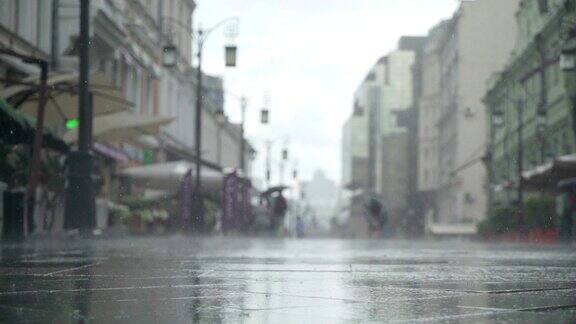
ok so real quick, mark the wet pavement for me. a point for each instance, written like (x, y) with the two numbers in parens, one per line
(183, 280)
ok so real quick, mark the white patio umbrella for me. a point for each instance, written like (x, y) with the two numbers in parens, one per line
(122, 126)
(62, 104)
(169, 175)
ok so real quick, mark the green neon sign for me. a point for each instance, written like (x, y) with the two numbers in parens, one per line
(72, 123)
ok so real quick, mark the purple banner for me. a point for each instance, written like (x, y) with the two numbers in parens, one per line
(245, 202)
(230, 214)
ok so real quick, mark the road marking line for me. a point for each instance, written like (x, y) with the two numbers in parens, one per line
(205, 273)
(72, 269)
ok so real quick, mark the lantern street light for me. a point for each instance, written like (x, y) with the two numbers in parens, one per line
(568, 60)
(169, 56)
(230, 55)
(169, 60)
(265, 116)
(497, 118)
(541, 120)
(265, 112)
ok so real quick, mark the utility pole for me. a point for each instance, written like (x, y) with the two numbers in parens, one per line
(489, 163)
(170, 60)
(244, 103)
(198, 221)
(80, 211)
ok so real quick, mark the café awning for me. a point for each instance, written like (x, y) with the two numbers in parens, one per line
(545, 178)
(122, 126)
(168, 175)
(62, 104)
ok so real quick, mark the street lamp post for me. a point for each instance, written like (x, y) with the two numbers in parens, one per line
(198, 201)
(170, 60)
(80, 211)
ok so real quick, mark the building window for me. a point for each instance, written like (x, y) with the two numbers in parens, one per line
(358, 109)
(371, 76)
(7, 13)
(543, 6)
(43, 28)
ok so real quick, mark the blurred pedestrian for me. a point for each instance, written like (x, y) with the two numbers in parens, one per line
(377, 217)
(262, 215)
(300, 227)
(279, 211)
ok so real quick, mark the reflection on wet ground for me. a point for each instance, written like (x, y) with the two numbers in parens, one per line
(182, 280)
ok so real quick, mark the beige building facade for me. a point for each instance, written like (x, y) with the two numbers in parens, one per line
(470, 54)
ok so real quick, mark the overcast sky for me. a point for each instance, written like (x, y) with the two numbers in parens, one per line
(309, 56)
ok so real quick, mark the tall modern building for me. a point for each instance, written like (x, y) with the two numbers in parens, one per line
(321, 194)
(392, 134)
(355, 150)
(413, 220)
(470, 53)
(376, 137)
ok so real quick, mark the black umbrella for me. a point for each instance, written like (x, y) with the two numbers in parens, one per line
(272, 190)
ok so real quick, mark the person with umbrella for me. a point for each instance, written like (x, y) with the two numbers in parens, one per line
(376, 216)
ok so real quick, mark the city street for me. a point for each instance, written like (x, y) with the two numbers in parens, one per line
(223, 279)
